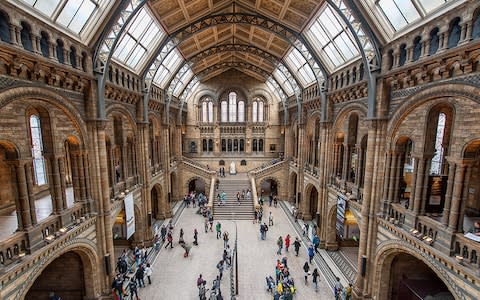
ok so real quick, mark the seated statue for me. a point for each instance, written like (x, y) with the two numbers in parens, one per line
(232, 169)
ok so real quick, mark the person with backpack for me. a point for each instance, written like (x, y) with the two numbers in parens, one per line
(348, 292)
(169, 240)
(163, 232)
(315, 276)
(310, 253)
(132, 285)
(225, 239)
(316, 242)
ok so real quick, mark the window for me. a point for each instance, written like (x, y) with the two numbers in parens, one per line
(257, 111)
(436, 166)
(224, 113)
(254, 145)
(403, 54)
(300, 67)
(260, 145)
(25, 36)
(417, 48)
(37, 150)
(232, 107)
(434, 41)
(475, 26)
(204, 145)
(4, 28)
(454, 34)
(59, 51)
(73, 57)
(401, 13)
(241, 111)
(168, 68)
(283, 81)
(207, 111)
(44, 44)
(137, 43)
(331, 39)
(184, 80)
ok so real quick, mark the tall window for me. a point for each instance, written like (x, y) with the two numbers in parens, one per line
(257, 111)
(37, 150)
(207, 111)
(232, 107)
(436, 167)
(241, 111)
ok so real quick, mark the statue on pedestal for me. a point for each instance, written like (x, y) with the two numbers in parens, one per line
(233, 171)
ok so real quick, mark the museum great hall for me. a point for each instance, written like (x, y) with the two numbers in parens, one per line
(360, 115)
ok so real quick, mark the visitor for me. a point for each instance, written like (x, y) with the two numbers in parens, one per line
(315, 276)
(169, 240)
(296, 246)
(310, 252)
(306, 269)
(316, 242)
(287, 242)
(221, 267)
(163, 232)
(206, 225)
(225, 239)
(337, 289)
(195, 237)
(148, 273)
(280, 245)
(348, 292)
(52, 296)
(275, 201)
(270, 219)
(218, 229)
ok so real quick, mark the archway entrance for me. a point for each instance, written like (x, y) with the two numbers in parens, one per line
(411, 279)
(65, 277)
(268, 187)
(292, 183)
(156, 198)
(196, 185)
(313, 203)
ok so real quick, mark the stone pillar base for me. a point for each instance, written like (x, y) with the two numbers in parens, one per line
(333, 246)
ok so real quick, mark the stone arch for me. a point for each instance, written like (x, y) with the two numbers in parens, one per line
(203, 93)
(462, 90)
(346, 110)
(140, 230)
(383, 259)
(156, 198)
(310, 205)
(117, 108)
(331, 242)
(273, 185)
(191, 184)
(49, 96)
(86, 250)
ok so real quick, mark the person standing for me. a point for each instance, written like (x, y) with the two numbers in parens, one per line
(195, 237)
(139, 275)
(287, 242)
(296, 246)
(225, 239)
(220, 267)
(148, 273)
(280, 245)
(206, 225)
(210, 220)
(310, 253)
(315, 276)
(132, 285)
(270, 219)
(306, 269)
(348, 292)
(218, 228)
(238, 198)
(338, 289)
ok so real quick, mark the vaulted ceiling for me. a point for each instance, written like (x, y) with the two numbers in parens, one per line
(221, 44)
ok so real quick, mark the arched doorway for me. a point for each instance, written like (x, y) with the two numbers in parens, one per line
(174, 194)
(156, 198)
(410, 279)
(269, 187)
(196, 185)
(292, 183)
(311, 203)
(65, 276)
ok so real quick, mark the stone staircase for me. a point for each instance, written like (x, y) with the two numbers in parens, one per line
(344, 264)
(231, 210)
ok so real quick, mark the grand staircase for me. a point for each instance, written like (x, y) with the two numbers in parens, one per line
(231, 210)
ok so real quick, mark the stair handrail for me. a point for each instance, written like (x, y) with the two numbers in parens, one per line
(211, 197)
(256, 205)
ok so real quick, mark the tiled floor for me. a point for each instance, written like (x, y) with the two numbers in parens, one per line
(174, 277)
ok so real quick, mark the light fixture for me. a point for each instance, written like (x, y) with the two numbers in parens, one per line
(62, 230)
(49, 238)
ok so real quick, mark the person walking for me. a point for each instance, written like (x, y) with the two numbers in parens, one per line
(306, 269)
(270, 219)
(148, 273)
(287, 242)
(139, 275)
(348, 292)
(275, 201)
(163, 232)
(218, 228)
(169, 240)
(310, 252)
(316, 242)
(238, 198)
(225, 239)
(132, 285)
(280, 245)
(206, 225)
(337, 289)
(315, 276)
(181, 233)
(296, 246)
(255, 216)
(305, 229)
(195, 237)
(221, 267)
(210, 220)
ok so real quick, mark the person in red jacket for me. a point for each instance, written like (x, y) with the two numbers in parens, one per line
(287, 242)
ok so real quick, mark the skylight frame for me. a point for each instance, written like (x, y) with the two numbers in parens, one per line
(183, 81)
(300, 67)
(282, 79)
(135, 46)
(83, 32)
(331, 39)
(168, 68)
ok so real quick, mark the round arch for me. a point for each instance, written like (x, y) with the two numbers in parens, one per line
(386, 253)
(196, 184)
(292, 187)
(156, 197)
(115, 109)
(270, 185)
(86, 250)
(310, 204)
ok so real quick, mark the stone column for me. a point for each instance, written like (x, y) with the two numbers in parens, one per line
(36, 44)
(398, 176)
(466, 31)
(420, 175)
(63, 185)
(75, 175)
(425, 44)
(15, 35)
(386, 183)
(304, 205)
(23, 196)
(456, 197)
(31, 199)
(442, 38)
(392, 179)
(411, 203)
(428, 161)
(81, 171)
(464, 198)
(57, 187)
(448, 194)
(88, 187)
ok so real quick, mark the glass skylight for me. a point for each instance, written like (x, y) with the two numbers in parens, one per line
(73, 15)
(182, 83)
(300, 67)
(400, 13)
(331, 39)
(283, 81)
(168, 68)
(138, 41)
(275, 88)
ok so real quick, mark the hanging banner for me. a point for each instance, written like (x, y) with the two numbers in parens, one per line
(129, 215)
